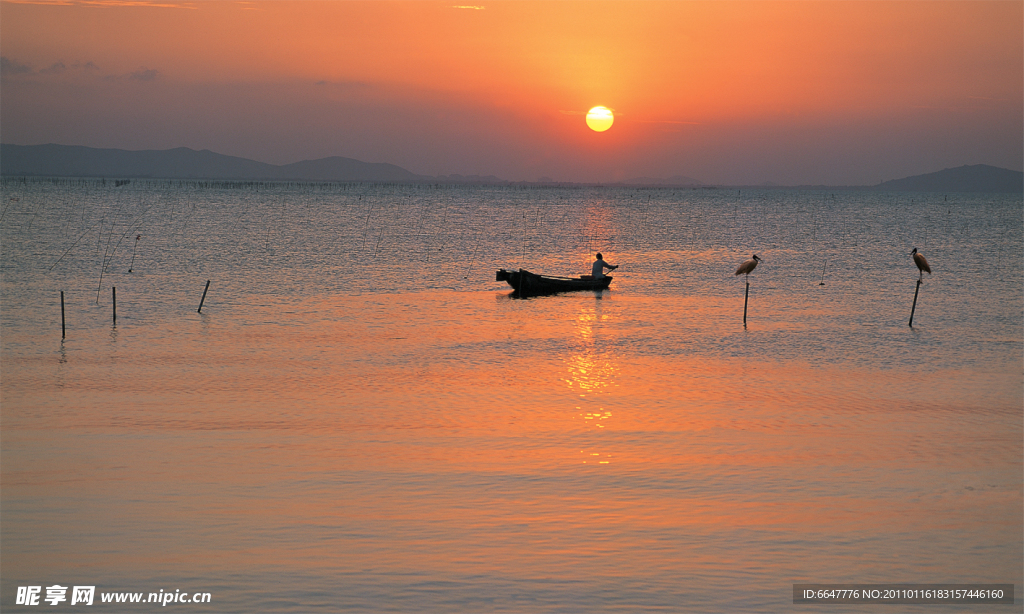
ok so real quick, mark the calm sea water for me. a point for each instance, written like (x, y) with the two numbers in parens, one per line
(362, 420)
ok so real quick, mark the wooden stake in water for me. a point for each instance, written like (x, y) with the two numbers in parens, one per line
(914, 306)
(823, 273)
(745, 295)
(132, 265)
(203, 300)
(63, 330)
(113, 298)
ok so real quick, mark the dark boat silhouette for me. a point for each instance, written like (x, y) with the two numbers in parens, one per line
(525, 282)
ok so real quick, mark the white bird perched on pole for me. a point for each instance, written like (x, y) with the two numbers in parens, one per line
(748, 266)
(922, 264)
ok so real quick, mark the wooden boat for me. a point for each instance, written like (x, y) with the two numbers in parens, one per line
(525, 282)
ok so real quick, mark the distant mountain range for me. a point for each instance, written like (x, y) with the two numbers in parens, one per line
(184, 163)
(976, 178)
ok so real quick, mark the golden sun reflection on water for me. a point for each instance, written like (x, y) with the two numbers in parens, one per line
(589, 368)
(590, 372)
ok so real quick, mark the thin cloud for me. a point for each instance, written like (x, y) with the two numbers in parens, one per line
(469, 7)
(144, 74)
(619, 114)
(988, 98)
(564, 112)
(10, 67)
(107, 3)
(345, 85)
(56, 69)
(13, 67)
(42, 2)
(136, 3)
(59, 71)
(671, 122)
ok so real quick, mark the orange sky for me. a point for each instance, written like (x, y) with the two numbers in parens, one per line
(725, 92)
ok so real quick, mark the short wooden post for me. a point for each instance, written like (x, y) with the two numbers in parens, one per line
(745, 295)
(113, 298)
(132, 265)
(914, 306)
(63, 329)
(203, 300)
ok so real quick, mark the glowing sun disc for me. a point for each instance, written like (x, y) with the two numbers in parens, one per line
(600, 119)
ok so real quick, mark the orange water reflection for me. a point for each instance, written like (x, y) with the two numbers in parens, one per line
(590, 369)
(429, 435)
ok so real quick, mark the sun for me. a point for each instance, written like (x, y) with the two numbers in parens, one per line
(600, 119)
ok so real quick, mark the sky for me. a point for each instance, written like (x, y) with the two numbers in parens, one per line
(724, 92)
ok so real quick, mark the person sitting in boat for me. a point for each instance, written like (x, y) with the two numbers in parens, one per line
(600, 265)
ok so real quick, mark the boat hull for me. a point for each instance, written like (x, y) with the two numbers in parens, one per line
(525, 282)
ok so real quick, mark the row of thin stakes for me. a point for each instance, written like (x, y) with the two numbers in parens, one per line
(113, 300)
(919, 261)
(744, 269)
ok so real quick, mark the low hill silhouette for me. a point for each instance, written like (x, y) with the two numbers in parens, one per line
(976, 178)
(182, 163)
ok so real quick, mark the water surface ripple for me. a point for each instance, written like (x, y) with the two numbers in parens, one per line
(362, 420)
